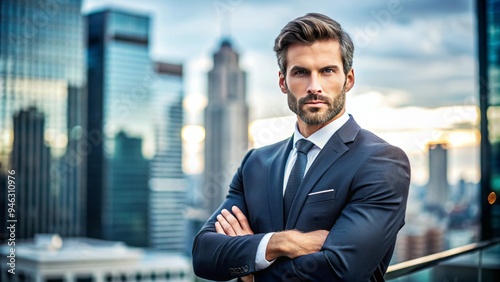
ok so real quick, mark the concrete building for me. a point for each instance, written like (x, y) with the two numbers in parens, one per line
(48, 258)
(415, 243)
(437, 187)
(226, 125)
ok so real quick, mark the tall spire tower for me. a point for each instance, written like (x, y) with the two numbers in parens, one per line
(226, 124)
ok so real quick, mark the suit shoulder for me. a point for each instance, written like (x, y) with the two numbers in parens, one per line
(371, 137)
(375, 143)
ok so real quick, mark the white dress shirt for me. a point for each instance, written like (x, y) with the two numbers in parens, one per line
(319, 138)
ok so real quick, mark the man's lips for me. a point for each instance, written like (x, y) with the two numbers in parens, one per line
(314, 102)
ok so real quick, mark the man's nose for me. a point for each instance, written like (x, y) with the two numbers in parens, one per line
(314, 86)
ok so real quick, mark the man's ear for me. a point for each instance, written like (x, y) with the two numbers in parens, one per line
(282, 83)
(349, 81)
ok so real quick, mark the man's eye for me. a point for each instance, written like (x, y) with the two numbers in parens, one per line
(329, 70)
(300, 72)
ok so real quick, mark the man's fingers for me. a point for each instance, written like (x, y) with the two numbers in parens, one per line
(232, 221)
(242, 219)
(232, 225)
(226, 226)
(219, 228)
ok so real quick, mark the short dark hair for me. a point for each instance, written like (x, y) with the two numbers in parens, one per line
(309, 29)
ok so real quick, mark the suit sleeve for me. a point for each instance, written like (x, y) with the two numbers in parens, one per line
(366, 230)
(221, 257)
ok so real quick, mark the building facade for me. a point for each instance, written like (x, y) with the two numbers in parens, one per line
(488, 26)
(35, 201)
(167, 186)
(437, 188)
(127, 207)
(226, 125)
(50, 258)
(42, 74)
(119, 97)
(135, 179)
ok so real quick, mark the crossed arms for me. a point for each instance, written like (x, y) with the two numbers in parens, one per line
(290, 243)
(358, 245)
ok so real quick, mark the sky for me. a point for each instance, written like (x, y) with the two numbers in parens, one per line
(418, 53)
(415, 64)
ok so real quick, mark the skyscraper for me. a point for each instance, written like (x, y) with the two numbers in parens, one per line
(226, 124)
(136, 106)
(437, 188)
(119, 100)
(168, 184)
(41, 70)
(36, 203)
(127, 198)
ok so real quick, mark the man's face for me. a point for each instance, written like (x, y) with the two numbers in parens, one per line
(315, 82)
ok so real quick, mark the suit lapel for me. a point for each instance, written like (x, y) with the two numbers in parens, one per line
(275, 187)
(334, 148)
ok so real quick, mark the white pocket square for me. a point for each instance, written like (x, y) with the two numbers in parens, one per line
(320, 192)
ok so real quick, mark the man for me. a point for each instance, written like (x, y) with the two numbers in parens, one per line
(340, 220)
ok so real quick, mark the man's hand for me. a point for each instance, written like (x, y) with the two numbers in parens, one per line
(233, 225)
(293, 243)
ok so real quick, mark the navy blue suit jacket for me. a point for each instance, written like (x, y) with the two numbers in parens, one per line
(363, 186)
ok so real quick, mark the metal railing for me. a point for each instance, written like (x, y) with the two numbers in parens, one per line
(411, 266)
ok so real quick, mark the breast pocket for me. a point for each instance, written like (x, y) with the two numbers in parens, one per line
(320, 211)
(320, 196)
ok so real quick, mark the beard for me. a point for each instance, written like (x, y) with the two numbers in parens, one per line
(313, 116)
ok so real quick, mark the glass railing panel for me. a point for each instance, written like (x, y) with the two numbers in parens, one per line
(475, 262)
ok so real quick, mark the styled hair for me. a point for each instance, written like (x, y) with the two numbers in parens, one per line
(307, 30)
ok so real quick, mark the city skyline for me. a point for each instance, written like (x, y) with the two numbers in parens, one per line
(437, 36)
(142, 150)
(419, 88)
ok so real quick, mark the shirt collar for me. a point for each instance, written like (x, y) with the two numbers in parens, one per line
(321, 137)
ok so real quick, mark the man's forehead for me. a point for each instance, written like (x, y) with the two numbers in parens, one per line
(325, 52)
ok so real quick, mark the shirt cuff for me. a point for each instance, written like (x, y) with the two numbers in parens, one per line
(260, 258)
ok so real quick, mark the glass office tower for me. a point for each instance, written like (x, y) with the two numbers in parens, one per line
(136, 189)
(167, 204)
(488, 17)
(42, 84)
(119, 74)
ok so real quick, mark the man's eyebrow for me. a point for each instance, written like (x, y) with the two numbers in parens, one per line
(331, 67)
(295, 68)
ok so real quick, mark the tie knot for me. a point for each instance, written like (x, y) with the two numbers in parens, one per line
(304, 146)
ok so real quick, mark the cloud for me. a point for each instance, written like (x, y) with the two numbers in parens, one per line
(424, 49)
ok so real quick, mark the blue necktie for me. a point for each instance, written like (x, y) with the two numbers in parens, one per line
(295, 179)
